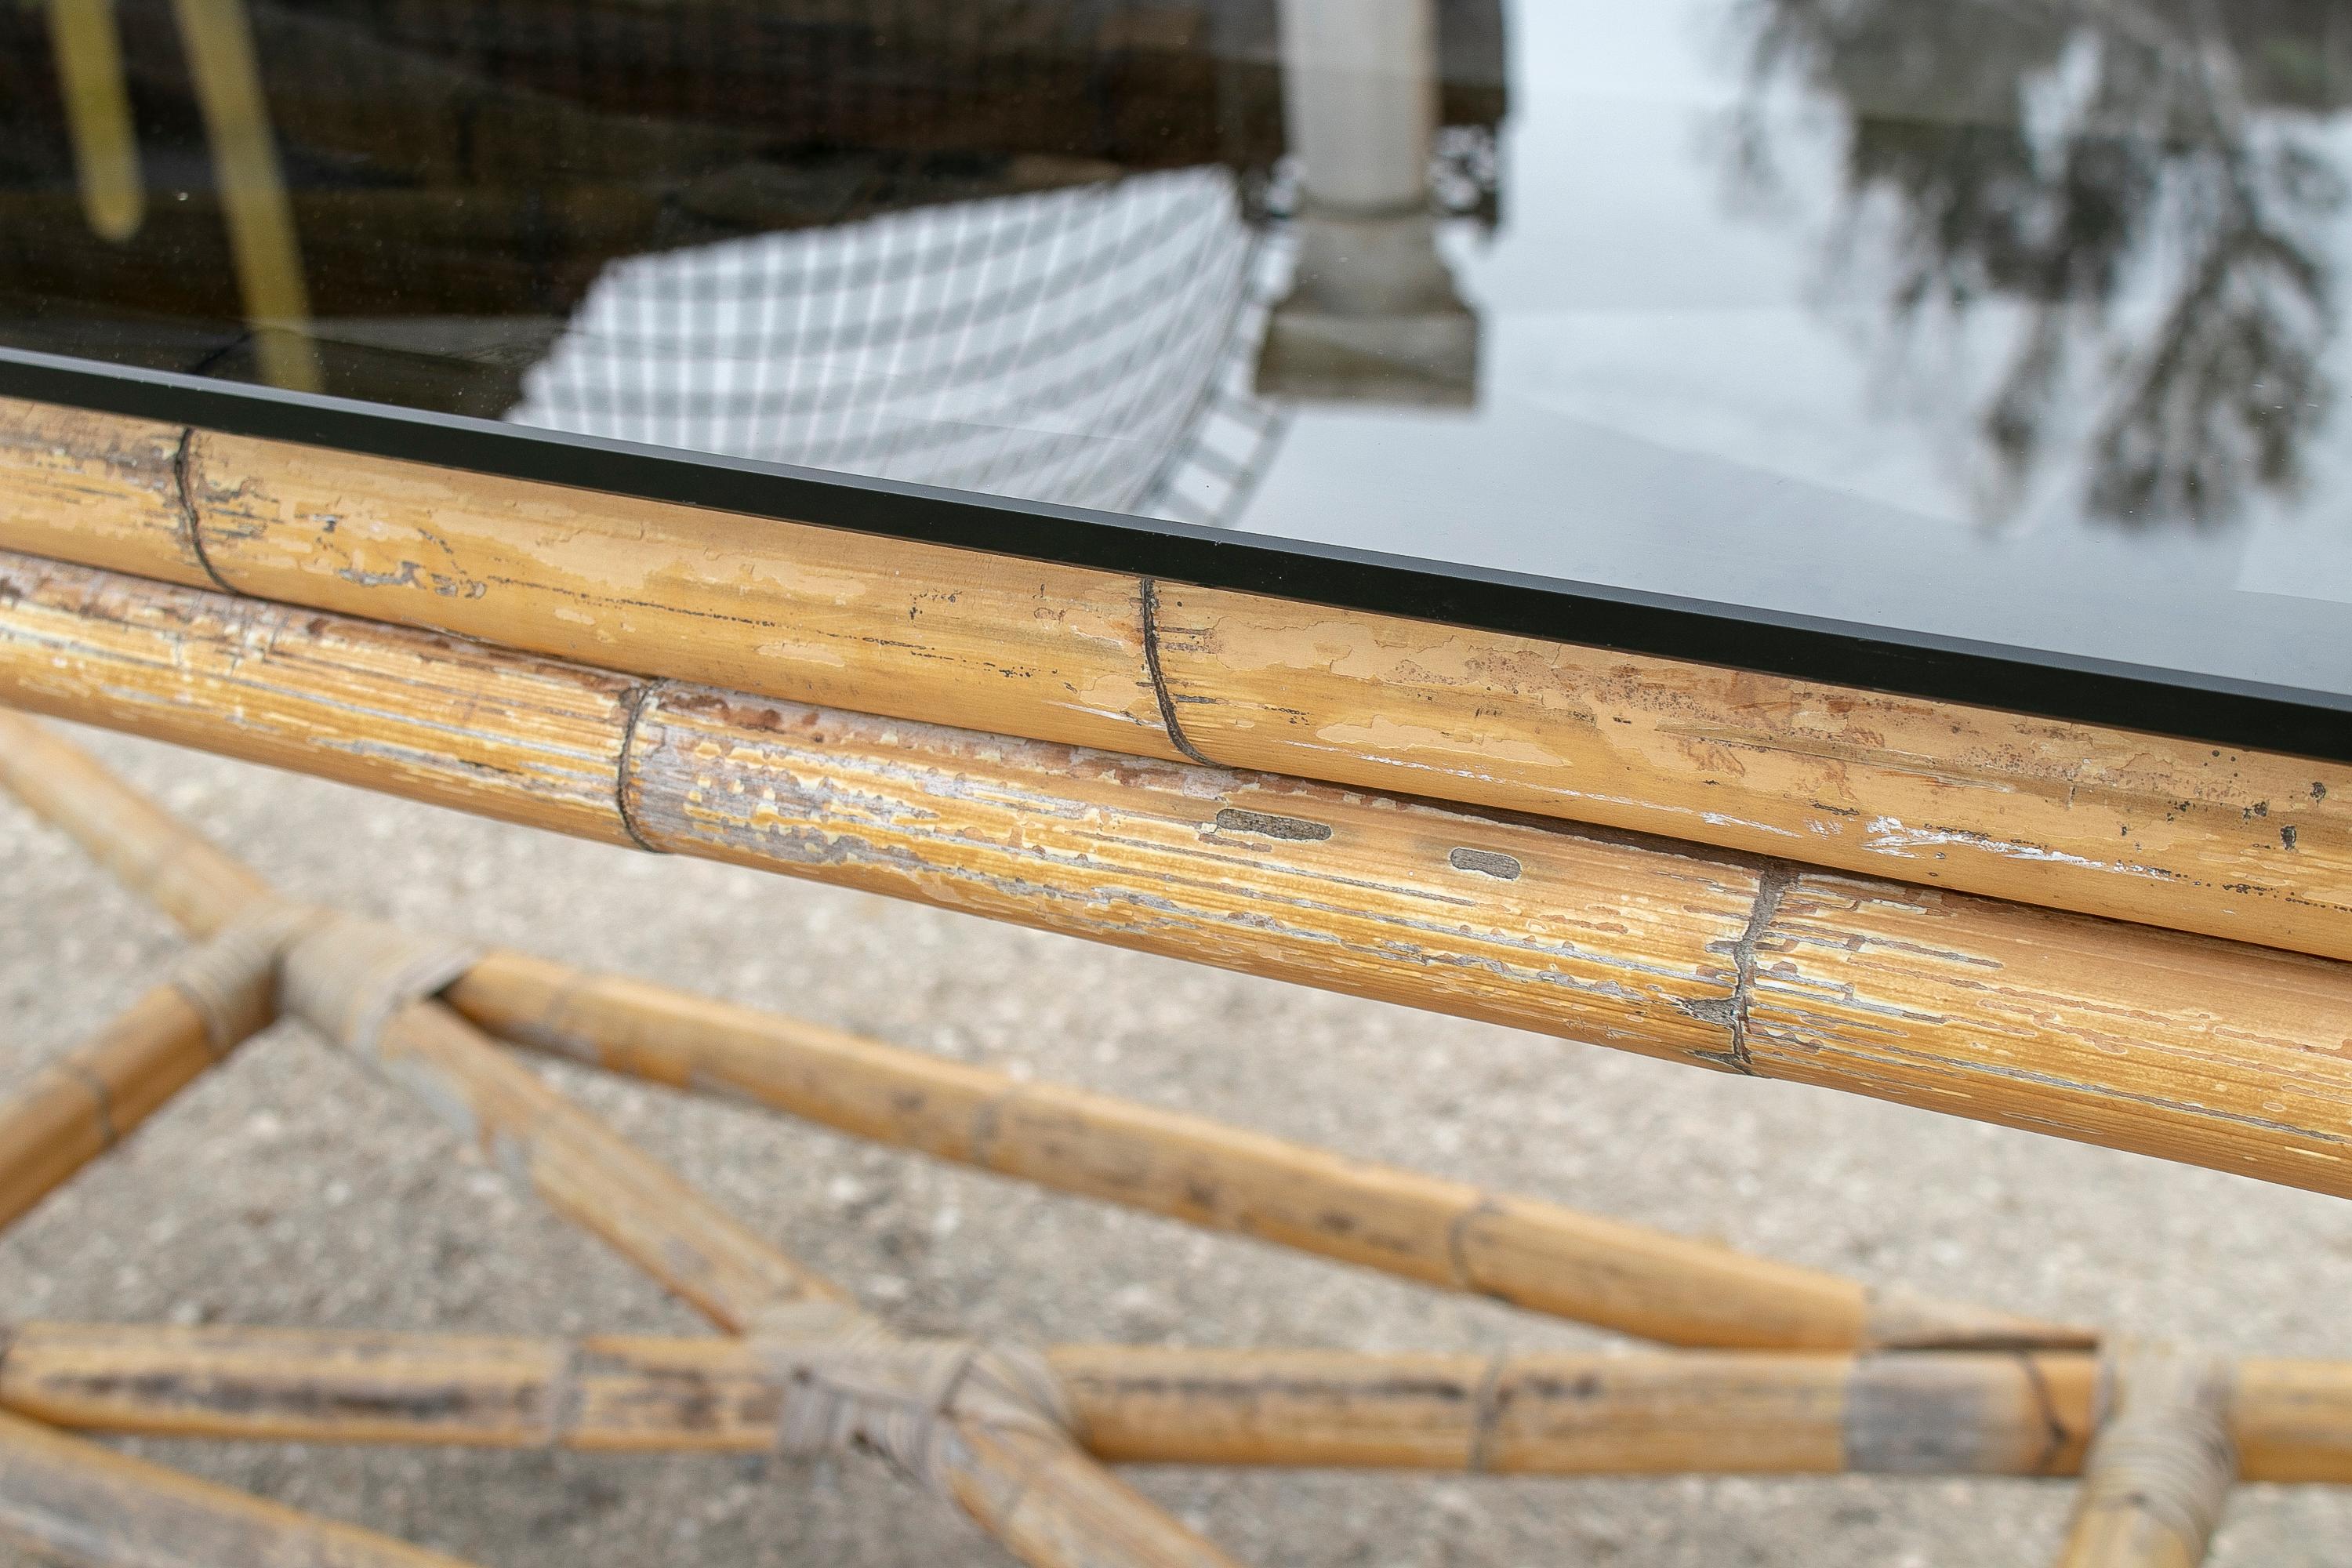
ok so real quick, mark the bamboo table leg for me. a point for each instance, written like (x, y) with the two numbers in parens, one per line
(88, 1505)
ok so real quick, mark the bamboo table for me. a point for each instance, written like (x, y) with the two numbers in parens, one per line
(1061, 477)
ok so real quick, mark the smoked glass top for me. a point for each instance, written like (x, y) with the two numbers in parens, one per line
(2007, 323)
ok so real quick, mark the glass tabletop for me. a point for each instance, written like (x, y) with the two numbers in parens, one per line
(1986, 349)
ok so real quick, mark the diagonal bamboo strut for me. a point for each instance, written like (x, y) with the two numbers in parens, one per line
(83, 1504)
(1532, 1254)
(78, 1107)
(2158, 1472)
(2189, 1048)
(1536, 1255)
(1747, 1412)
(1027, 1485)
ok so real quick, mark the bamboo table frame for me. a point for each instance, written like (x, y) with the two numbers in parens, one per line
(1171, 769)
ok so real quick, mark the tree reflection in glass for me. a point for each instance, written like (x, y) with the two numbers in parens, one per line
(2143, 180)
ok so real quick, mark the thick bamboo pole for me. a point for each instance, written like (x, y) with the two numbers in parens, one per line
(78, 1107)
(2207, 1052)
(1025, 1484)
(1534, 1255)
(79, 1503)
(1953, 1413)
(2158, 1472)
(2136, 827)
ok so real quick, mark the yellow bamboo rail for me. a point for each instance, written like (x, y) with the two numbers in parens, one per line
(2243, 845)
(75, 1502)
(1954, 1413)
(2203, 1051)
(1532, 1254)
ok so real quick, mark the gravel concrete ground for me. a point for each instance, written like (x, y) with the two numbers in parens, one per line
(291, 1188)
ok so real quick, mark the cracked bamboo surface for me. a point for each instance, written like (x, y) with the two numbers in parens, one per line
(1552, 1414)
(1534, 1255)
(2243, 844)
(2207, 1052)
(75, 1502)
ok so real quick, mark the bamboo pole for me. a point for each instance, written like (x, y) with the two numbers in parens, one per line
(96, 101)
(145, 849)
(79, 1503)
(78, 1107)
(2210, 1052)
(1025, 1483)
(1721, 1412)
(1535, 1255)
(2158, 1472)
(2222, 841)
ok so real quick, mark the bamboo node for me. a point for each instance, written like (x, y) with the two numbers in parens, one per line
(347, 977)
(850, 1383)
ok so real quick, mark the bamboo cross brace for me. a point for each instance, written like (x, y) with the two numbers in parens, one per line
(1721, 1412)
(1024, 1481)
(79, 1503)
(2158, 1472)
(1533, 1254)
(2191, 1048)
(82, 1104)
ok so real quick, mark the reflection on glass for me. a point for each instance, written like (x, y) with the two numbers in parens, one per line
(2144, 179)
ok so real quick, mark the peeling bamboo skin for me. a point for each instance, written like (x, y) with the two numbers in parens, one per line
(95, 489)
(1535, 1255)
(1620, 945)
(783, 609)
(2245, 845)
(524, 740)
(2234, 1058)
(73, 1109)
(91, 1506)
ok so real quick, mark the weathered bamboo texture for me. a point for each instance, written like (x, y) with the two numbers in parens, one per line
(79, 1503)
(2212, 1053)
(2159, 1469)
(1949, 1413)
(1534, 1255)
(75, 1108)
(1026, 1483)
(2243, 844)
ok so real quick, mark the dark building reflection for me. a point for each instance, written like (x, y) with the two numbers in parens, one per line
(1019, 245)
(2066, 155)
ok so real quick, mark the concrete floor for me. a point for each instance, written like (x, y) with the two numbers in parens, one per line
(291, 1188)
